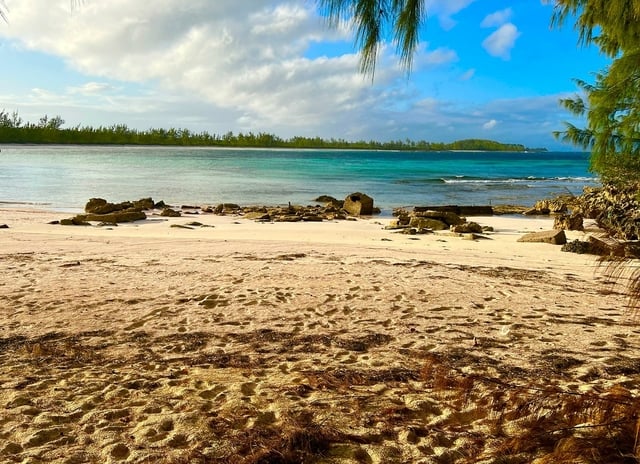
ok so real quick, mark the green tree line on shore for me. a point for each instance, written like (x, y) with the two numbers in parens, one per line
(50, 131)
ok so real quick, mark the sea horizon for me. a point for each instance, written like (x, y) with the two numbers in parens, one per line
(64, 177)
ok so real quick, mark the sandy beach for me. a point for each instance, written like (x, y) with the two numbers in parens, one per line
(233, 341)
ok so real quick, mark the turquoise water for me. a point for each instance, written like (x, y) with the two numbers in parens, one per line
(64, 177)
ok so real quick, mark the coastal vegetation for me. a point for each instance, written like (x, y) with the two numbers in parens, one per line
(51, 131)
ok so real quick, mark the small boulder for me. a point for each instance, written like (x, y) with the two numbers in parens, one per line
(467, 228)
(79, 220)
(606, 246)
(569, 222)
(168, 212)
(144, 204)
(94, 205)
(577, 246)
(427, 223)
(117, 216)
(555, 237)
(358, 204)
(448, 217)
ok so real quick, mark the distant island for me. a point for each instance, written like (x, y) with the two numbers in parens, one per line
(13, 130)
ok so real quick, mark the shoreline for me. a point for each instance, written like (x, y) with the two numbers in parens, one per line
(343, 342)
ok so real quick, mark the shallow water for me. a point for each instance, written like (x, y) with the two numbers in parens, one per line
(64, 177)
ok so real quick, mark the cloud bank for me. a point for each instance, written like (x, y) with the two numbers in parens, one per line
(260, 65)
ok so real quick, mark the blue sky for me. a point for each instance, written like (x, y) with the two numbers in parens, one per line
(484, 69)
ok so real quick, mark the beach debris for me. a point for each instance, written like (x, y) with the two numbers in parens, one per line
(358, 204)
(554, 237)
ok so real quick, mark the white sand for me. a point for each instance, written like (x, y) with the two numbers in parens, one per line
(147, 343)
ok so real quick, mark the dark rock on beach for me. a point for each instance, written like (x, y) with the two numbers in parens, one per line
(573, 221)
(577, 246)
(459, 210)
(168, 212)
(74, 221)
(467, 228)
(554, 237)
(358, 204)
(546, 207)
(102, 211)
(116, 216)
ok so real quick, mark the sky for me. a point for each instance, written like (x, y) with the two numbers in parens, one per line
(485, 69)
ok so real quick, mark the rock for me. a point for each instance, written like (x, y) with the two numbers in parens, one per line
(358, 204)
(168, 212)
(257, 216)
(78, 220)
(94, 204)
(573, 221)
(101, 206)
(459, 210)
(288, 218)
(160, 205)
(509, 209)
(427, 223)
(449, 218)
(4, 226)
(144, 204)
(577, 246)
(467, 228)
(329, 200)
(606, 246)
(555, 237)
(116, 216)
(554, 206)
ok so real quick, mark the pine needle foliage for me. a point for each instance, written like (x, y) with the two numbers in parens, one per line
(376, 20)
(612, 103)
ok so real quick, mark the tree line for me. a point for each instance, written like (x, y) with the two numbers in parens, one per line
(51, 131)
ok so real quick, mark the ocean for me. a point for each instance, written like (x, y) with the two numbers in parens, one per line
(64, 177)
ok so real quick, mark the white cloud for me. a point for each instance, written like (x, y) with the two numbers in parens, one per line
(438, 56)
(91, 88)
(223, 65)
(501, 42)
(468, 74)
(242, 56)
(444, 10)
(497, 19)
(489, 124)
